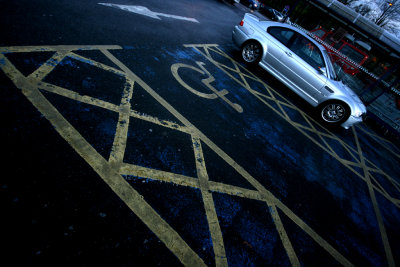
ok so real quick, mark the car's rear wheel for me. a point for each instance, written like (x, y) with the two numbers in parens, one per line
(334, 112)
(251, 52)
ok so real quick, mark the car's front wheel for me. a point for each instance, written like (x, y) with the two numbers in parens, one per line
(334, 112)
(251, 52)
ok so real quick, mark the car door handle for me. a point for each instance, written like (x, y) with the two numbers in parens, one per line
(288, 53)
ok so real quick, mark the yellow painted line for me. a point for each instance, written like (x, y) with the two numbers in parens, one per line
(47, 48)
(121, 134)
(104, 169)
(257, 195)
(284, 237)
(217, 64)
(242, 75)
(202, 45)
(15, 76)
(259, 95)
(196, 132)
(381, 139)
(274, 99)
(317, 238)
(234, 190)
(261, 98)
(109, 106)
(96, 64)
(395, 185)
(373, 179)
(48, 66)
(388, 250)
(212, 218)
(163, 123)
(111, 172)
(266, 195)
(76, 96)
(158, 175)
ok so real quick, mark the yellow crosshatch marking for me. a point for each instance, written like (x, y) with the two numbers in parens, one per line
(111, 170)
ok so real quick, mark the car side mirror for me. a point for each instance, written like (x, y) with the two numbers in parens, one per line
(322, 70)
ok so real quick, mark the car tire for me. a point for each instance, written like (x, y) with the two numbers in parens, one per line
(333, 112)
(251, 52)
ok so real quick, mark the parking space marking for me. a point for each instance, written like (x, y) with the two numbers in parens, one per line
(357, 155)
(388, 251)
(271, 96)
(112, 169)
(47, 67)
(206, 81)
(394, 150)
(121, 134)
(212, 217)
(106, 171)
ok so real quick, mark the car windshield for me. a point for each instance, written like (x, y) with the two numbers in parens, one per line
(329, 66)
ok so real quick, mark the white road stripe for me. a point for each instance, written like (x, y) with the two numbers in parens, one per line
(147, 12)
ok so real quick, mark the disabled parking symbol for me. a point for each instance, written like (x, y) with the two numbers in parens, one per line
(206, 81)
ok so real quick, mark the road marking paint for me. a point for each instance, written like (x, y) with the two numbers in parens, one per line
(111, 171)
(385, 240)
(48, 66)
(76, 96)
(19, 49)
(121, 134)
(96, 64)
(212, 218)
(206, 81)
(360, 163)
(158, 175)
(142, 10)
(174, 70)
(206, 50)
(269, 198)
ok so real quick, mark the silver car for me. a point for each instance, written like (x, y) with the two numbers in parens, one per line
(301, 64)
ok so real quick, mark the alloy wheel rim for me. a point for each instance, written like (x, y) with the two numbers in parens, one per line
(333, 112)
(250, 52)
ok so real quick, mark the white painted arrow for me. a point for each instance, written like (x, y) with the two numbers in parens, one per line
(147, 12)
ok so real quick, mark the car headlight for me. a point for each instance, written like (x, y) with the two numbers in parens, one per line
(358, 114)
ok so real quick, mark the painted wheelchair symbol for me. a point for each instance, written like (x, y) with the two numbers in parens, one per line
(207, 82)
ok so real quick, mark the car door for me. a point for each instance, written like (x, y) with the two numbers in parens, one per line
(278, 39)
(301, 62)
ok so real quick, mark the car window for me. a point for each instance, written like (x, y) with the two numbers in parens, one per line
(282, 34)
(308, 51)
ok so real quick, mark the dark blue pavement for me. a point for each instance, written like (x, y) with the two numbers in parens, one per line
(175, 153)
(255, 185)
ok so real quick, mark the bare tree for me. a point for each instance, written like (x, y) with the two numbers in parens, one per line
(347, 2)
(383, 14)
(363, 9)
(390, 10)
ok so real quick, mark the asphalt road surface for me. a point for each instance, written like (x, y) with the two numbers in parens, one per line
(133, 135)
